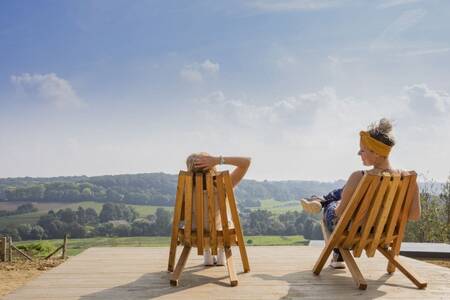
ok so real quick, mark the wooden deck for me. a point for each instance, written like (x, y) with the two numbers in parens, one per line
(277, 273)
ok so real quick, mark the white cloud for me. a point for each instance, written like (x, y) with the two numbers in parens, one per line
(198, 72)
(294, 5)
(48, 87)
(393, 3)
(426, 51)
(393, 31)
(210, 67)
(190, 75)
(315, 135)
(427, 101)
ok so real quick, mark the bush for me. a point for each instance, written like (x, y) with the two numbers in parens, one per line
(38, 249)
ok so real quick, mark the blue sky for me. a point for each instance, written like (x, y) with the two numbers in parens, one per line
(109, 87)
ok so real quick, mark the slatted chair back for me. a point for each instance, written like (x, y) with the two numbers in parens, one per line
(206, 216)
(377, 213)
(374, 219)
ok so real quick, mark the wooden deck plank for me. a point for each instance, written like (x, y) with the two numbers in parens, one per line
(277, 272)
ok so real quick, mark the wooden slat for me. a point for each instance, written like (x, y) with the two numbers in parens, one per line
(373, 212)
(342, 224)
(412, 190)
(223, 208)
(176, 220)
(199, 211)
(236, 221)
(354, 270)
(188, 209)
(212, 213)
(392, 237)
(180, 265)
(230, 267)
(383, 215)
(392, 220)
(411, 276)
(361, 213)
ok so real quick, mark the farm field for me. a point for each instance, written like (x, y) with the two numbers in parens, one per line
(43, 208)
(276, 207)
(279, 207)
(75, 246)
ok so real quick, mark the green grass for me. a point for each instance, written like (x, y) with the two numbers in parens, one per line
(32, 218)
(76, 246)
(279, 207)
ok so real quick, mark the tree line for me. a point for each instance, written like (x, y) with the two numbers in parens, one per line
(150, 189)
(122, 220)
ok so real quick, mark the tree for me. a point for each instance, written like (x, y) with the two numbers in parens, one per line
(445, 197)
(67, 215)
(108, 213)
(163, 222)
(431, 227)
(37, 232)
(26, 208)
(141, 227)
(91, 216)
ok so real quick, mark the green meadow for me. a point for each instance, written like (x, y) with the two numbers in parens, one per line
(76, 246)
(43, 208)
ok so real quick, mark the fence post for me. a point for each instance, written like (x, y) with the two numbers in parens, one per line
(3, 249)
(10, 249)
(64, 247)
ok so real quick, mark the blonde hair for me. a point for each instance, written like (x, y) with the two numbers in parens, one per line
(190, 163)
(382, 131)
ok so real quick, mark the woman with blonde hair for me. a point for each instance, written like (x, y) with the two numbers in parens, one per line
(203, 162)
(375, 146)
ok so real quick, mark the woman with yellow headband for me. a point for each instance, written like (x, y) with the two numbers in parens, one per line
(375, 146)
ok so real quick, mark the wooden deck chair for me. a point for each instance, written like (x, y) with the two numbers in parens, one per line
(375, 219)
(205, 187)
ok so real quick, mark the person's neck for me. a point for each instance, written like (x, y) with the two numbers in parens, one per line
(383, 166)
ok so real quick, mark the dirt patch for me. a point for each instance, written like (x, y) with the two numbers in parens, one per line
(15, 274)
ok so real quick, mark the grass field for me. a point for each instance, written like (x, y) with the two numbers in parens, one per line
(279, 207)
(75, 246)
(43, 208)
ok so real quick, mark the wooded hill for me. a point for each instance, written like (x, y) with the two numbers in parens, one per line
(148, 188)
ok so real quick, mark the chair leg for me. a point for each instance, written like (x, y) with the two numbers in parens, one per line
(230, 267)
(326, 251)
(172, 254)
(354, 270)
(420, 284)
(180, 266)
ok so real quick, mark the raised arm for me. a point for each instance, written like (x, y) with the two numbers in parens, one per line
(241, 163)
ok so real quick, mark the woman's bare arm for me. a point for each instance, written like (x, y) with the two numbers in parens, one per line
(414, 210)
(242, 164)
(347, 192)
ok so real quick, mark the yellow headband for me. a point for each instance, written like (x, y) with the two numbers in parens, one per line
(374, 145)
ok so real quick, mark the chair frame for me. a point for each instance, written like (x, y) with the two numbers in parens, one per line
(201, 236)
(374, 219)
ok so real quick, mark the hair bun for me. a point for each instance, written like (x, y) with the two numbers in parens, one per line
(384, 126)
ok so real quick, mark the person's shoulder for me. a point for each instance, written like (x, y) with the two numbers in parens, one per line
(355, 177)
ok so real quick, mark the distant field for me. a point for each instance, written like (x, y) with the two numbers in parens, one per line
(32, 218)
(279, 207)
(75, 246)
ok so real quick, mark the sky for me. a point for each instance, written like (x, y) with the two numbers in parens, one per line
(114, 87)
